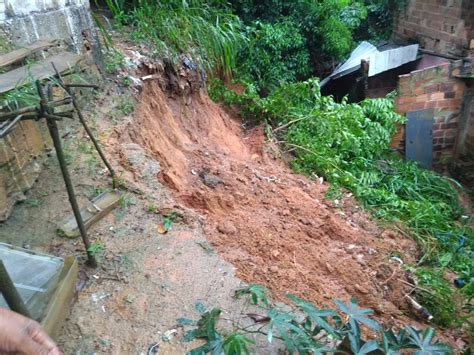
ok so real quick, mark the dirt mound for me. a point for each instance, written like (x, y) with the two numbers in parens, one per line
(275, 226)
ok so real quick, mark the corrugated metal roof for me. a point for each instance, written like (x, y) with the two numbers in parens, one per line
(379, 61)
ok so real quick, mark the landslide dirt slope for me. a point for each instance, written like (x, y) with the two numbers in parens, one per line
(275, 226)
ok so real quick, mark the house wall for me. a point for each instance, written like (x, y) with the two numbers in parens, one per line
(439, 89)
(443, 26)
(26, 21)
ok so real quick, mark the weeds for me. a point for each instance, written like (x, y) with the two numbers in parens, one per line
(305, 329)
(34, 202)
(113, 60)
(168, 220)
(125, 105)
(125, 201)
(95, 248)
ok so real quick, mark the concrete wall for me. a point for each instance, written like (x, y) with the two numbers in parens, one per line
(25, 21)
(444, 26)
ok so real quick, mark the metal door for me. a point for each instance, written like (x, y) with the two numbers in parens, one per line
(419, 137)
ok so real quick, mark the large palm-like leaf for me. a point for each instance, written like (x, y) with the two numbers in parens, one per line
(357, 315)
(423, 341)
(318, 316)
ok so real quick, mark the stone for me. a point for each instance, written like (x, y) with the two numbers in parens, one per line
(305, 221)
(210, 179)
(274, 269)
(361, 289)
(227, 227)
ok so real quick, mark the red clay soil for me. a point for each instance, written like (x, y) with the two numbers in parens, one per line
(275, 226)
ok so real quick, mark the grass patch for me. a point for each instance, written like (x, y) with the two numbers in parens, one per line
(206, 31)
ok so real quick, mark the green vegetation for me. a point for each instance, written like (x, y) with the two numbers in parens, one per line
(294, 40)
(204, 30)
(304, 329)
(276, 53)
(347, 145)
(113, 60)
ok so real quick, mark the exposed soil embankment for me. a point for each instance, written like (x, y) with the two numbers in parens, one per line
(275, 226)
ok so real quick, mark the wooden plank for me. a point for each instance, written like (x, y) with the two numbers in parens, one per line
(419, 137)
(93, 212)
(56, 310)
(38, 71)
(22, 53)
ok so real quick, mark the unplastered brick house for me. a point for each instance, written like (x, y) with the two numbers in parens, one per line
(437, 97)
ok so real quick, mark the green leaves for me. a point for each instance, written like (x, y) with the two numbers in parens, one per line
(205, 31)
(347, 144)
(423, 341)
(237, 343)
(276, 53)
(308, 330)
(168, 220)
(357, 349)
(256, 292)
(357, 315)
(317, 316)
(206, 327)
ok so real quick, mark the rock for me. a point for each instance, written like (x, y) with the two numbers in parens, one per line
(361, 289)
(350, 248)
(274, 269)
(329, 268)
(210, 179)
(227, 227)
(286, 213)
(305, 221)
(275, 253)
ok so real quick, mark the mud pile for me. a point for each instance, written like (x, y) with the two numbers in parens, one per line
(275, 226)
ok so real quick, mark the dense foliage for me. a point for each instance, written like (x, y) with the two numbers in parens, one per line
(204, 30)
(305, 329)
(347, 144)
(276, 53)
(322, 31)
(276, 40)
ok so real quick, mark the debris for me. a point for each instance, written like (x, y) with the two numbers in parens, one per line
(153, 349)
(397, 259)
(161, 229)
(361, 289)
(420, 311)
(274, 268)
(258, 318)
(210, 179)
(168, 335)
(207, 247)
(93, 212)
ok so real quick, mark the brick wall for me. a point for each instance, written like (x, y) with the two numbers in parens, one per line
(443, 26)
(435, 88)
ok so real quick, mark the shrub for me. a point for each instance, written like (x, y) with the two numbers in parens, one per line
(276, 53)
